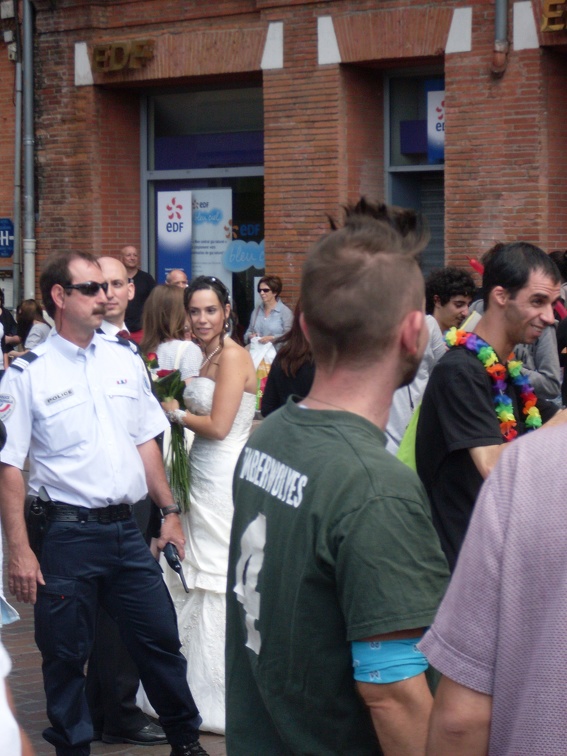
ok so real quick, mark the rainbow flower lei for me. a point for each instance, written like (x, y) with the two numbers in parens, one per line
(497, 371)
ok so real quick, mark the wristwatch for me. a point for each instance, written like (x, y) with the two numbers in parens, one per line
(171, 509)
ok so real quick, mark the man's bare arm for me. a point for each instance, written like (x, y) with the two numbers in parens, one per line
(400, 711)
(460, 721)
(485, 457)
(23, 568)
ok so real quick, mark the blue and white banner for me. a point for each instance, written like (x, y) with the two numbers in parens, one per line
(436, 126)
(212, 233)
(174, 230)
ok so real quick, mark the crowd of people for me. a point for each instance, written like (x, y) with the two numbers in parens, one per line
(325, 583)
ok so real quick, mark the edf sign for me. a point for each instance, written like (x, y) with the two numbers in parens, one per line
(174, 227)
(6, 237)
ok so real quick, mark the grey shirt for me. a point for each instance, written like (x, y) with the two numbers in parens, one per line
(500, 629)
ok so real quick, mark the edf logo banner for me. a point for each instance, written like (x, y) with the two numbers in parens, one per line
(174, 231)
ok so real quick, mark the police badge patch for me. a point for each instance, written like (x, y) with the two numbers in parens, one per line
(7, 404)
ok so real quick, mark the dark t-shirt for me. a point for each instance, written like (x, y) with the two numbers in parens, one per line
(561, 345)
(331, 541)
(143, 284)
(10, 329)
(280, 385)
(457, 414)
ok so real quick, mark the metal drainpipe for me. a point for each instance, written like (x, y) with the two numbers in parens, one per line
(29, 188)
(17, 260)
(500, 52)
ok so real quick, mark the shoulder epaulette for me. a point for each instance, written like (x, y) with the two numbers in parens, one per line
(119, 340)
(23, 361)
(128, 343)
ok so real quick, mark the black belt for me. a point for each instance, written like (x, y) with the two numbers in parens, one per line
(69, 513)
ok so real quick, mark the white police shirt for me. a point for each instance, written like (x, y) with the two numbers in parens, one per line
(81, 413)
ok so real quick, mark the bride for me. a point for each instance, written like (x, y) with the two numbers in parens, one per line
(220, 402)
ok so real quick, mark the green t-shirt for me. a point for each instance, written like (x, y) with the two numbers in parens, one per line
(332, 541)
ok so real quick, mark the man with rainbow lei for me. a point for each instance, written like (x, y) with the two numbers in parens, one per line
(477, 399)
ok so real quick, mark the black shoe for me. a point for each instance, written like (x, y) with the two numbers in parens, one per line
(150, 734)
(97, 735)
(191, 749)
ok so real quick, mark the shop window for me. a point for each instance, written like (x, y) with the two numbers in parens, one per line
(415, 152)
(204, 187)
(210, 129)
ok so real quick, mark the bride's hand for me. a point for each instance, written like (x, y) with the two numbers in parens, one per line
(170, 405)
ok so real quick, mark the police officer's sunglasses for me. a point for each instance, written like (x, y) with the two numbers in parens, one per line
(89, 288)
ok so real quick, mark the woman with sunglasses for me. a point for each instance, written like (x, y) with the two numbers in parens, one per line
(220, 402)
(271, 318)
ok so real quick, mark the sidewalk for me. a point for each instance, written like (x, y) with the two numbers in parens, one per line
(27, 688)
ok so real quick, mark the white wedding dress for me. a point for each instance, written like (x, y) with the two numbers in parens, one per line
(201, 613)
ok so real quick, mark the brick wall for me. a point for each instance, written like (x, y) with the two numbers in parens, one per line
(361, 136)
(301, 109)
(119, 148)
(88, 158)
(555, 168)
(505, 169)
(495, 148)
(7, 124)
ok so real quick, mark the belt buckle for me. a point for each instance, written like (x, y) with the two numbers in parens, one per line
(104, 516)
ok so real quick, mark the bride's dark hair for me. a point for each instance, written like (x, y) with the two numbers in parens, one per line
(213, 284)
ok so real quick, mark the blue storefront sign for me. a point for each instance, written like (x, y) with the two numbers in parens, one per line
(174, 232)
(6, 237)
(435, 89)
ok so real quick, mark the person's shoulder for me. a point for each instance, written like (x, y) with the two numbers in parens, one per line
(233, 354)
(455, 370)
(545, 447)
(143, 275)
(118, 341)
(458, 359)
(192, 347)
(24, 361)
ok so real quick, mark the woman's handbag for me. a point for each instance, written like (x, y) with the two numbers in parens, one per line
(262, 356)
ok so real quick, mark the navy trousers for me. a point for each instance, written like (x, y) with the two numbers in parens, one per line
(84, 563)
(112, 677)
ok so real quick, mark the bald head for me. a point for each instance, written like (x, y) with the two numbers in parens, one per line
(120, 291)
(131, 259)
(177, 277)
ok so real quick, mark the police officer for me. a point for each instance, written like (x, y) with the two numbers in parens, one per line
(81, 406)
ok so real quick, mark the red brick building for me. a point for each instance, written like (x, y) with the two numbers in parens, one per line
(291, 107)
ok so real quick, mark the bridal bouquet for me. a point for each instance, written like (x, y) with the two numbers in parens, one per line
(168, 385)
